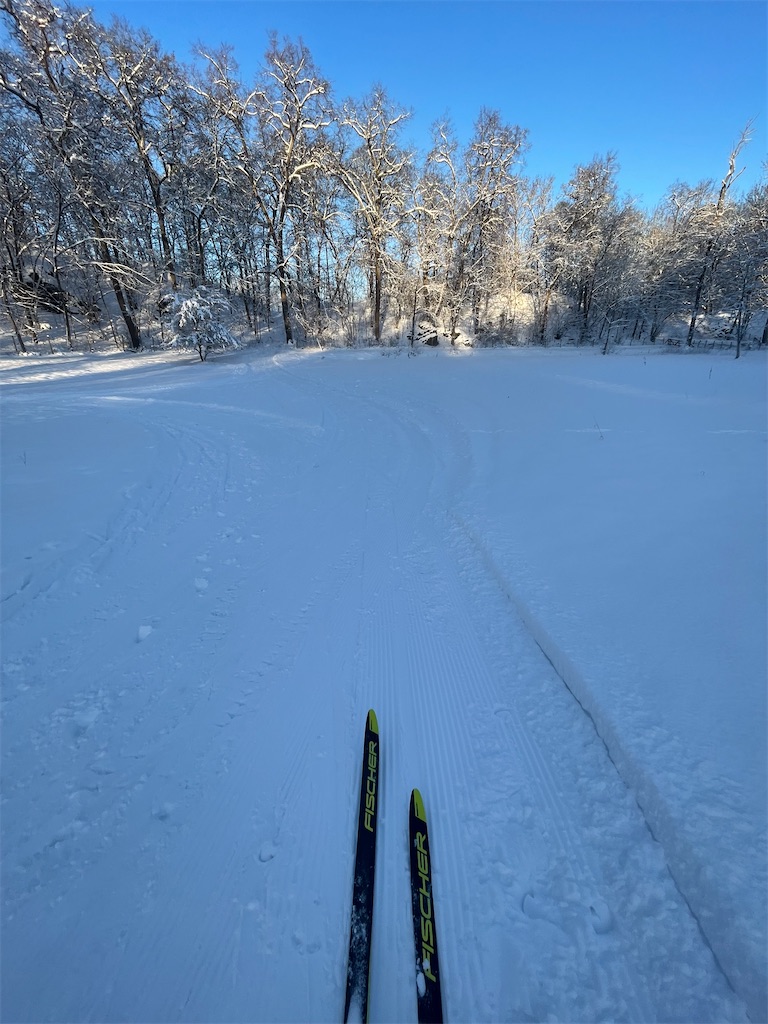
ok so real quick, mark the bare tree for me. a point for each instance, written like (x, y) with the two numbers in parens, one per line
(492, 164)
(712, 227)
(375, 169)
(742, 271)
(469, 218)
(291, 107)
(73, 125)
(138, 85)
(440, 214)
(588, 232)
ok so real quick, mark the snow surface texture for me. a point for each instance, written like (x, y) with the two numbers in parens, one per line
(545, 571)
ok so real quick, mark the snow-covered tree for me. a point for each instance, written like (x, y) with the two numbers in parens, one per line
(375, 169)
(468, 218)
(590, 235)
(440, 212)
(492, 178)
(712, 225)
(76, 135)
(124, 173)
(197, 321)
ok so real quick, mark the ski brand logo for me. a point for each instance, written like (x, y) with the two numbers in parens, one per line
(425, 906)
(370, 785)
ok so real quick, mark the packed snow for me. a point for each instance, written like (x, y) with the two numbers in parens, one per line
(545, 571)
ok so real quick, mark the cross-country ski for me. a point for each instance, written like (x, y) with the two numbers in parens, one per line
(429, 998)
(361, 924)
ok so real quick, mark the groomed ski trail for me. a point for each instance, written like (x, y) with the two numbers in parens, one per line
(460, 727)
(217, 779)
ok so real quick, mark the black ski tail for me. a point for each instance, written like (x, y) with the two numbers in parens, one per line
(428, 996)
(361, 925)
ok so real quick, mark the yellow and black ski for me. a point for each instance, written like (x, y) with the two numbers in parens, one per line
(429, 1000)
(361, 925)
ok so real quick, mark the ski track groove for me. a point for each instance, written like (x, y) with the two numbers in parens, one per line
(557, 824)
(454, 679)
(442, 682)
(439, 684)
(379, 676)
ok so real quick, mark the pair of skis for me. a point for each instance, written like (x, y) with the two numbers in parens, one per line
(429, 1001)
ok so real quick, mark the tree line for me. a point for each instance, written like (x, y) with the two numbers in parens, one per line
(129, 180)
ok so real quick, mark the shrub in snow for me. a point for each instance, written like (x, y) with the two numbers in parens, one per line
(197, 321)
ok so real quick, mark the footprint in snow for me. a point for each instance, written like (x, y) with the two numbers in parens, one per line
(201, 584)
(601, 916)
(163, 812)
(541, 909)
(82, 721)
(267, 852)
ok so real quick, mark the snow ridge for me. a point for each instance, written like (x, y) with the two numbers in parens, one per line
(734, 947)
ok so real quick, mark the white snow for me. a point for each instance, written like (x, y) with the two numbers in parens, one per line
(421, 982)
(546, 571)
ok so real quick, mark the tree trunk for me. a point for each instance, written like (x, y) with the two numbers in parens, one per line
(697, 296)
(267, 283)
(165, 242)
(544, 317)
(9, 309)
(109, 260)
(377, 281)
(283, 285)
(130, 323)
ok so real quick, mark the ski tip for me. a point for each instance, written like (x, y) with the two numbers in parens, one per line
(373, 724)
(417, 806)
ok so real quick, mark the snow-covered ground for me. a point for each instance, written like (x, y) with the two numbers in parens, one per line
(546, 571)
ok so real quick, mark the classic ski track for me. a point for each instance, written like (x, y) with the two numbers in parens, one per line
(627, 953)
(381, 685)
(441, 686)
(440, 683)
(558, 823)
(379, 668)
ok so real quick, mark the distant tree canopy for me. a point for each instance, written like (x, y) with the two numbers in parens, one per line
(126, 176)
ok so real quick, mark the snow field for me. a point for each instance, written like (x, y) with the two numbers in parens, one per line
(543, 570)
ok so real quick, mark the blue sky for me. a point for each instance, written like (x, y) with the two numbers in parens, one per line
(667, 85)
